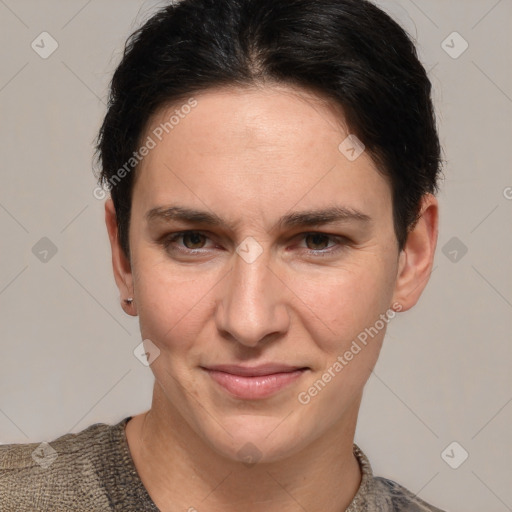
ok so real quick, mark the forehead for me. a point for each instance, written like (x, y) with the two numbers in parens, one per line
(258, 118)
(278, 145)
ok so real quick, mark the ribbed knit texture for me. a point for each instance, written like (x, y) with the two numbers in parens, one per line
(94, 472)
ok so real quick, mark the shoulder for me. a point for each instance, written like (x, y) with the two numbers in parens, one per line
(63, 474)
(389, 495)
(383, 495)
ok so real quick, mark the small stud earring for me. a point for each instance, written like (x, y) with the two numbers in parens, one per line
(128, 301)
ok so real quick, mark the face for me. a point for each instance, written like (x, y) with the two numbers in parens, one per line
(261, 255)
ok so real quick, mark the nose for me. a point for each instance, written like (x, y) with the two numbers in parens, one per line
(252, 307)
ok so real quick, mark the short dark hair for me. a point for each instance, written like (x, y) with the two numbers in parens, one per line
(347, 51)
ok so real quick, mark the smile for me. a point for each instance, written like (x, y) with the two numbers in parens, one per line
(254, 383)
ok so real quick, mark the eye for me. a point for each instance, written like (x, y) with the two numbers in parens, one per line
(317, 243)
(318, 239)
(192, 240)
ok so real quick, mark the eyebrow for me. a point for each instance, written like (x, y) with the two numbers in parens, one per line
(315, 217)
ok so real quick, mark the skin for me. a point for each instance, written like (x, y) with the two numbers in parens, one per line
(251, 156)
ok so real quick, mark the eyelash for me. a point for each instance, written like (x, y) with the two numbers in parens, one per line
(341, 241)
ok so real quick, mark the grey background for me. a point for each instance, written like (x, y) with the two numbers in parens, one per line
(67, 347)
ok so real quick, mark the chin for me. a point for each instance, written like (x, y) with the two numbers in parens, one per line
(255, 439)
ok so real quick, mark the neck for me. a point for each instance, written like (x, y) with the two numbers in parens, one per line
(182, 472)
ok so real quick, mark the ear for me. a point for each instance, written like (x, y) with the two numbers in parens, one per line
(120, 263)
(417, 257)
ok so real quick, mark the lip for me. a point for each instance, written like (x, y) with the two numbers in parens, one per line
(254, 382)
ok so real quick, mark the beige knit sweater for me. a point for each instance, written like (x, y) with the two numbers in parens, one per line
(93, 471)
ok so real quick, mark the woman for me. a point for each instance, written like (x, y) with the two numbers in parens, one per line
(272, 167)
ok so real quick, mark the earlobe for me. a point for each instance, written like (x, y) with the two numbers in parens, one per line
(417, 257)
(120, 263)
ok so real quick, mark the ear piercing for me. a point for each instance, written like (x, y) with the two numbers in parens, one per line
(128, 301)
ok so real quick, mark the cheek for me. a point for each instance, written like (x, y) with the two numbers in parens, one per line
(172, 305)
(346, 301)
(350, 303)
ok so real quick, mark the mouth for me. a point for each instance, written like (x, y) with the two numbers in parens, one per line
(256, 382)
